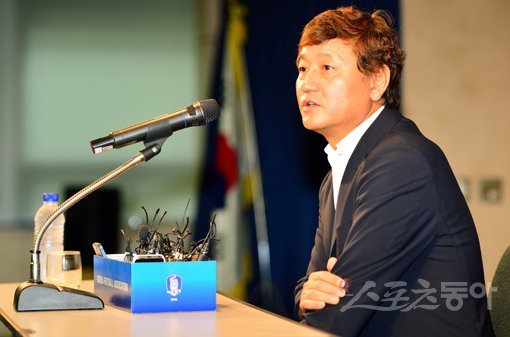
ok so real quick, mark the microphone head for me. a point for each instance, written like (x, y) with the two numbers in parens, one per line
(143, 233)
(210, 109)
(102, 144)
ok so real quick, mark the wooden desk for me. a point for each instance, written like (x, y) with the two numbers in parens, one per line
(231, 318)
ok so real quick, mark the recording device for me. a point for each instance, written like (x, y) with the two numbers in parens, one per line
(201, 250)
(159, 128)
(98, 249)
(148, 258)
(157, 247)
(143, 240)
(128, 254)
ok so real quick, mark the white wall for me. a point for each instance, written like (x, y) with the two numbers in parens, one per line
(456, 86)
(88, 68)
(72, 71)
(8, 111)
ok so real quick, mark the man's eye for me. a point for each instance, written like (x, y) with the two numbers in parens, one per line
(328, 67)
(301, 69)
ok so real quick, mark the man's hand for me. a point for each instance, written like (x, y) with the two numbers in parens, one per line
(322, 287)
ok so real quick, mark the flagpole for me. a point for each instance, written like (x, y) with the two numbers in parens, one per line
(259, 207)
(237, 38)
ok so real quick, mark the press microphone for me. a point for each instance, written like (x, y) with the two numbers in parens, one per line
(162, 127)
(144, 234)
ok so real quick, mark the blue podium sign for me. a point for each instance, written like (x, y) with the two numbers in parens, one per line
(156, 286)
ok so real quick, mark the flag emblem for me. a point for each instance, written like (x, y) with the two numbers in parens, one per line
(174, 285)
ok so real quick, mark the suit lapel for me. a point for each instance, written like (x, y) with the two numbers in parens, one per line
(344, 209)
(327, 213)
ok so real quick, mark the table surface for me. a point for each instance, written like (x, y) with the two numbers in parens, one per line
(231, 318)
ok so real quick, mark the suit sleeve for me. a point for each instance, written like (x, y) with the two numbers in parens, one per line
(318, 257)
(393, 221)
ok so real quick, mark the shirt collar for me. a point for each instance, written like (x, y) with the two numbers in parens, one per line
(349, 142)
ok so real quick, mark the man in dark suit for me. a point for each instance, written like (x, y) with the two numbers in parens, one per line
(396, 251)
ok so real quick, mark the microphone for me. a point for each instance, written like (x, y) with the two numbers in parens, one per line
(143, 235)
(153, 130)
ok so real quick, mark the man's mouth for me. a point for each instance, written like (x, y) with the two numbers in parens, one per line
(309, 103)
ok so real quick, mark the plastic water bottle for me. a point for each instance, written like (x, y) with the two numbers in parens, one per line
(53, 238)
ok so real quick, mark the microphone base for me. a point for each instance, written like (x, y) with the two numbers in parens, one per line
(31, 296)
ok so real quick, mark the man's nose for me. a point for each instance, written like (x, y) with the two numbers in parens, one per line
(310, 81)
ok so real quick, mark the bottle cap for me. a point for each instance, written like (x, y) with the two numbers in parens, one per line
(50, 197)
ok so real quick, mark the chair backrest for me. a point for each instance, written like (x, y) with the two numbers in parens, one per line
(500, 297)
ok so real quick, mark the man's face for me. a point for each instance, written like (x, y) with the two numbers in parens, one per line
(333, 95)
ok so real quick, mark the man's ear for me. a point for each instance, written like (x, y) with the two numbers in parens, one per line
(379, 82)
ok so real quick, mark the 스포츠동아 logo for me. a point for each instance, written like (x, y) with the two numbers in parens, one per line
(174, 285)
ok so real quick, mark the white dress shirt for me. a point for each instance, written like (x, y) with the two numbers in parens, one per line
(339, 158)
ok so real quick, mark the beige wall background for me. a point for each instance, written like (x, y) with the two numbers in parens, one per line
(456, 88)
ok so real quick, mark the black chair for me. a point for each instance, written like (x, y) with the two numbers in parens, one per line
(500, 297)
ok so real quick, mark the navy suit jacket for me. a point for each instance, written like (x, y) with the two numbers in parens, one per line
(404, 237)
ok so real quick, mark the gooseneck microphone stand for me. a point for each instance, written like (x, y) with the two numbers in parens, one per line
(35, 295)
